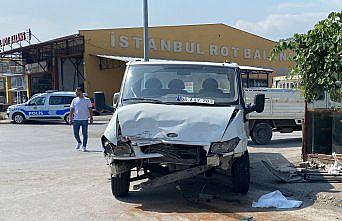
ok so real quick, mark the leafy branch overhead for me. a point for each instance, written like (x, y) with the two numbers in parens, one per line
(317, 57)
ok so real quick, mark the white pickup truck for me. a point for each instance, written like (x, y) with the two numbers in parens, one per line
(284, 112)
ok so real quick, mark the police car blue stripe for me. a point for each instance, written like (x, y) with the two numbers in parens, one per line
(62, 112)
(35, 113)
(45, 112)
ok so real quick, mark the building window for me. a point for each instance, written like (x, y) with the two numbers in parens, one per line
(18, 82)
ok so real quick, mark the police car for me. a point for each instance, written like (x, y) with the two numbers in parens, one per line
(51, 105)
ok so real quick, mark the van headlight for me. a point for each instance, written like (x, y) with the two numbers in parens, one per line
(225, 146)
(121, 150)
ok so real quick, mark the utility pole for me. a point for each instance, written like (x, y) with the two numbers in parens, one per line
(146, 41)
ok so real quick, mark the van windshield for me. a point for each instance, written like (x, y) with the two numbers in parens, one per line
(178, 84)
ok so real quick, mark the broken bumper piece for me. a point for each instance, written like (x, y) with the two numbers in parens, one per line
(173, 177)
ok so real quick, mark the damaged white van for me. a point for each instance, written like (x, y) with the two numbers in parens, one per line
(175, 120)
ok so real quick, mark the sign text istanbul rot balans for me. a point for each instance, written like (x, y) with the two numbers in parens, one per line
(17, 38)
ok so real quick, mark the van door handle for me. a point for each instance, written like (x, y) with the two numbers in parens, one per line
(66, 105)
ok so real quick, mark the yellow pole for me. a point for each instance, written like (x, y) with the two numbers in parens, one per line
(28, 86)
(8, 92)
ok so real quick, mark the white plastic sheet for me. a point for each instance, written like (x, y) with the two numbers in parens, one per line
(276, 199)
(336, 167)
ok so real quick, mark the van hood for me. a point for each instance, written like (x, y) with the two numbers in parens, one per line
(184, 124)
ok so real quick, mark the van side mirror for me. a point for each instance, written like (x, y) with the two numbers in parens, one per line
(116, 98)
(259, 104)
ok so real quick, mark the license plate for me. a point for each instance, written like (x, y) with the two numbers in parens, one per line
(213, 161)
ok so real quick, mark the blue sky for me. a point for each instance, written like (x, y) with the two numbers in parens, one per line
(268, 18)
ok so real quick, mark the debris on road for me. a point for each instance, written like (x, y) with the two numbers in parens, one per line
(277, 200)
(251, 218)
(287, 168)
(304, 164)
(336, 168)
(282, 177)
(172, 177)
(304, 175)
(329, 199)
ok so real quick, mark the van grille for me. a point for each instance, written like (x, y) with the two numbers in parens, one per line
(177, 154)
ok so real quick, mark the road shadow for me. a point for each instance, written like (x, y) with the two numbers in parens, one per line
(94, 151)
(44, 122)
(214, 194)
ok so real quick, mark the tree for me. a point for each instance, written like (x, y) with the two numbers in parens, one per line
(318, 57)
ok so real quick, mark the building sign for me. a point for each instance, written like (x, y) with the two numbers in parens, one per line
(17, 38)
(191, 47)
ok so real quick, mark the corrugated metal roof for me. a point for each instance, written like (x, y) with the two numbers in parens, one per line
(53, 41)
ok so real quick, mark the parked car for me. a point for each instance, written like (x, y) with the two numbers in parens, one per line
(175, 120)
(52, 105)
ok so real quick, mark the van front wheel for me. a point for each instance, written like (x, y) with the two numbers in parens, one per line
(120, 184)
(241, 174)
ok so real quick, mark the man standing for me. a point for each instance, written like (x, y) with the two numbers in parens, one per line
(80, 112)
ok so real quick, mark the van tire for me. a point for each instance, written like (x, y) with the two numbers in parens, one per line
(67, 119)
(18, 118)
(241, 174)
(261, 133)
(120, 184)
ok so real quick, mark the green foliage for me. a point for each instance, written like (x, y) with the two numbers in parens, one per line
(318, 57)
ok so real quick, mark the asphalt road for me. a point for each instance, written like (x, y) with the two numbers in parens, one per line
(43, 178)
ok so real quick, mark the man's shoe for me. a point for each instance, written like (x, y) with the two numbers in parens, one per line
(78, 146)
(84, 149)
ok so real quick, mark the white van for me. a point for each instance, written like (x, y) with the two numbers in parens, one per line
(52, 105)
(175, 120)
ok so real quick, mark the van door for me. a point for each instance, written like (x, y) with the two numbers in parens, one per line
(59, 106)
(37, 108)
